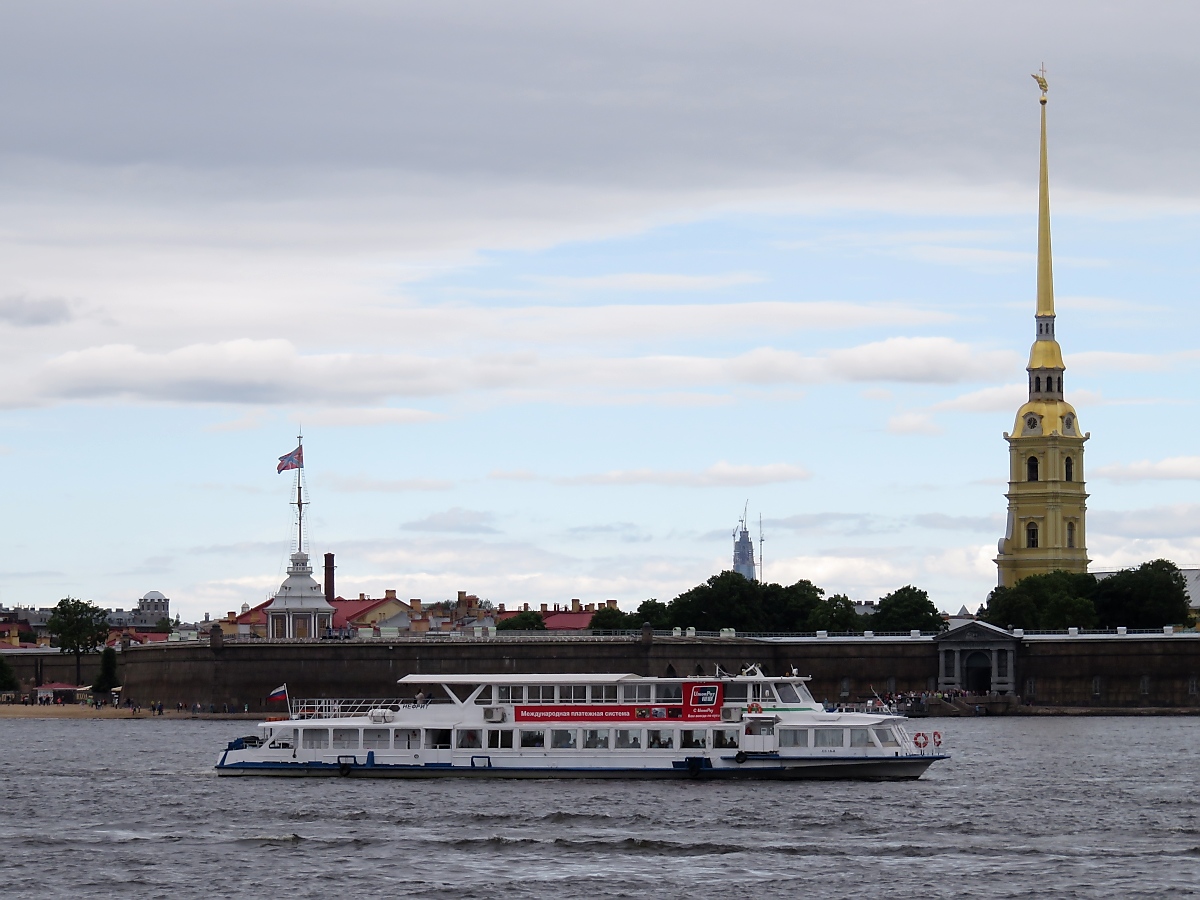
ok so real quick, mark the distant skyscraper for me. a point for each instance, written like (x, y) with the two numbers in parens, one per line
(743, 551)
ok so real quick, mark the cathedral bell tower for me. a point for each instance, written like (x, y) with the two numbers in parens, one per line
(1046, 496)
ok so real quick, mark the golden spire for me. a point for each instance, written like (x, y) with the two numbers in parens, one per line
(1045, 271)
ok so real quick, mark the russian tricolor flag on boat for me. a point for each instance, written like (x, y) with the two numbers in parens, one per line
(280, 693)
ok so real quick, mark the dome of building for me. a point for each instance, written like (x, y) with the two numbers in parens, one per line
(154, 595)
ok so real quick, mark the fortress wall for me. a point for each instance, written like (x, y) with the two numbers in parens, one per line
(243, 674)
(1132, 672)
(53, 666)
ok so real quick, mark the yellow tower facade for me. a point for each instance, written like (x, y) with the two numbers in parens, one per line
(1046, 496)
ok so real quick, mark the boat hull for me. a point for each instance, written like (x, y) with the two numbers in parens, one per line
(904, 768)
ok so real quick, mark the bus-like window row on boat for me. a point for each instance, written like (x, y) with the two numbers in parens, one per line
(735, 692)
(821, 736)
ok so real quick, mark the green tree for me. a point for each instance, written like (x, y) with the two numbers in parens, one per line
(727, 600)
(609, 618)
(657, 614)
(8, 678)
(523, 621)
(1150, 596)
(80, 627)
(835, 614)
(1052, 601)
(791, 608)
(905, 609)
(162, 626)
(107, 679)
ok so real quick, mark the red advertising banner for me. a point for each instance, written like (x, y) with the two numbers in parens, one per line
(701, 702)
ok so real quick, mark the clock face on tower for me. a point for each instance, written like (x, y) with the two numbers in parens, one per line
(1069, 423)
(1031, 423)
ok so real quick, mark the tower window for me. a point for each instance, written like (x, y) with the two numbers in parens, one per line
(1071, 534)
(1031, 536)
(1031, 469)
(1037, 384)
(1059, 384)
(1070, 467)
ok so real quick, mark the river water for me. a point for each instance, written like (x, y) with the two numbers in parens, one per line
(1070, 807)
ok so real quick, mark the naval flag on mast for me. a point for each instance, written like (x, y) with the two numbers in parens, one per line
(293, 460)
(280, 693)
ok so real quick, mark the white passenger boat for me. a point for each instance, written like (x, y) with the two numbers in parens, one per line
(585, 726)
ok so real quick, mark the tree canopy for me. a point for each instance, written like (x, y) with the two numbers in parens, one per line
(1150, 596)
(906, 609)
(523, 621)
(1050, 602)
(107, 679)
(8, 678)
(80, 627)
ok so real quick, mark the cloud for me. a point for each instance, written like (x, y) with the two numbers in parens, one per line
(943, 522)
(457, 519)
(1175, 468)
(352, 484)
(648, 281)
(834, 523)
(913, 423)
(721, 474)
(1003, 398)
(342, 417)
(1181, 520)
(27, 312)
(1103, 361)
(273, 371)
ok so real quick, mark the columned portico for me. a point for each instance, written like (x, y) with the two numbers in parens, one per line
(977, 657)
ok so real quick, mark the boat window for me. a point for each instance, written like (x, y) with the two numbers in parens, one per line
(788, 693)
(669, 693)
(725, 738)
(541, 693)
(572, 693)
(860, 737)
(886, 737)
(500, 739)
(563, 739)
(284, 739)
(437, 738)
(760, 727)
(735, 692)
(533, 737)
(407, 739)
(762, 692)
(469, 739)
(692, 739)
(629, 738)
(829, 737)
(793, 737)
(658, 739)
(376, 739)
(596, 739)
(604, 693)
(635, 693)
(511, 693)
(485, 696)
(315, 738)
(345, 739)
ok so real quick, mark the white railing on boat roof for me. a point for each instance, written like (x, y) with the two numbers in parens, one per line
(344, 708)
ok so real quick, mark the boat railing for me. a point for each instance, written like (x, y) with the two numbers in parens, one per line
(329, 708)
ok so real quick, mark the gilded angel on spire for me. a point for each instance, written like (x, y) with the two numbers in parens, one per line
(1041, 80)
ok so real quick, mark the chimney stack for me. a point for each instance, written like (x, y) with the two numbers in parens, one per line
(389, 595)
(330, 591)
(575, 607)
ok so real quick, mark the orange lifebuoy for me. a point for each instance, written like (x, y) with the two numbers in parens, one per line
(920, 740)
(754, 707)
(937, 739)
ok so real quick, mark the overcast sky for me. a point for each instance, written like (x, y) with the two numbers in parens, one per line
(555, 289)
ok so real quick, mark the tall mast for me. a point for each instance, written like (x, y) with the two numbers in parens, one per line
(299, 502)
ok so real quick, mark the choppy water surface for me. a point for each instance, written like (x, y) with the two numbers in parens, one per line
(1070, 807)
